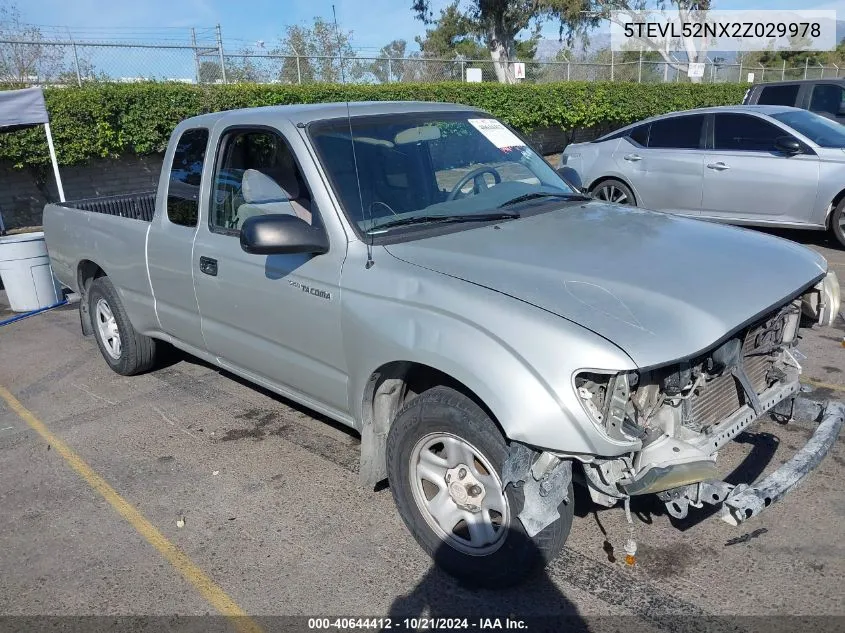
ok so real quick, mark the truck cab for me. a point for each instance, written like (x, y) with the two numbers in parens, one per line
(822, 96)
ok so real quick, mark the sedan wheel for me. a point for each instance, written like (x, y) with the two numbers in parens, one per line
(614, 191)
(837, 223)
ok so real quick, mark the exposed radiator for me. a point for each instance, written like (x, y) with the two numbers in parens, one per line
(722, 396)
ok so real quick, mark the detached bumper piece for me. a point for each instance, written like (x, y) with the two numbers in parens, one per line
(742, 504)
(739, 503)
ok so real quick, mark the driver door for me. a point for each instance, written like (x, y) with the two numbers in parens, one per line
(273, 317)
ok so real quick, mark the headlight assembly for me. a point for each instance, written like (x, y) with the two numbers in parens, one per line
(605, 398)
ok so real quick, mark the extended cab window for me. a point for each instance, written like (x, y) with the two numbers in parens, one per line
(185, 176)
(778, 95)
(256, 174)
(744, 133)
(679, 132)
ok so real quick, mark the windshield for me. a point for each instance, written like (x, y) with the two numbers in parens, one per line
(823, 132)
(419, 167)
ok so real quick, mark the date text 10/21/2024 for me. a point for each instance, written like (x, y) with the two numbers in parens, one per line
(417, 624)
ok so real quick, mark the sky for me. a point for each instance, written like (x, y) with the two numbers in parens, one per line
(373, 22)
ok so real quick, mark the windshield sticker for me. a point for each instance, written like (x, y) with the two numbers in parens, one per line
(496, 133)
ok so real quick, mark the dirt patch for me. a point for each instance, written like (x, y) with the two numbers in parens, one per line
(261, 419)
(666, 561)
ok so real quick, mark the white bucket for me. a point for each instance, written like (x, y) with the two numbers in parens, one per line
(26, 273)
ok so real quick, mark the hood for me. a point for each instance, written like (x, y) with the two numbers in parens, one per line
(660, 287)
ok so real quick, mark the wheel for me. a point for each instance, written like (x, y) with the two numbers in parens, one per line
(614, 191)
(444, 461)
(837, 222)
(126, 351)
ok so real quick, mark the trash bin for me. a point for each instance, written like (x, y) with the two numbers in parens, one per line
(26, 273)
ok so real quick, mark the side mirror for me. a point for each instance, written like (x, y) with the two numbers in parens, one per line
(277, 234)
(571, 177)
(788, 145)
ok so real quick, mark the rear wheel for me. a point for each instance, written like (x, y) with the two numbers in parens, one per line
(445, 457)
(613, 190)
(837, 222)
(126, 351)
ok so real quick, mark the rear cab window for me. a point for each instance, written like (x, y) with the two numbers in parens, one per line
(828, 99)
(185, 177)
(785, 95)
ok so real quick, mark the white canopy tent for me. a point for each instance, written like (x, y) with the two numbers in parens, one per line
(25, 108)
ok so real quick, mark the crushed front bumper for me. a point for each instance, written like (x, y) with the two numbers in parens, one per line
(744, 502)
(741, 502)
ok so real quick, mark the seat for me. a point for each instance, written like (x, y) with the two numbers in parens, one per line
(263, 196)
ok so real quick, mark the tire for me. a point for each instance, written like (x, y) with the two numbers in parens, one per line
(508, 555)
(612, 190)
(837, 223)
(128, 352)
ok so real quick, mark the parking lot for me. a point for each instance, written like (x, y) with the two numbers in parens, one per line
(188, 491)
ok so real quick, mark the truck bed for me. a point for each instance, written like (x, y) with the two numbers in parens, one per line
(108, 232)
(138, 206)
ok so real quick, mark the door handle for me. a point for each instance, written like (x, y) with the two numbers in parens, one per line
(208, 265)
(633, 157)
(720, 166)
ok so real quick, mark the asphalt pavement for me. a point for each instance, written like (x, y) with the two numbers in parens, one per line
(187, 491)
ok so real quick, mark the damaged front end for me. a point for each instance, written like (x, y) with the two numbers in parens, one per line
(682, 414)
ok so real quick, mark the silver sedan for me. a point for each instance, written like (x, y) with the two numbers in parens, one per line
(754, 165)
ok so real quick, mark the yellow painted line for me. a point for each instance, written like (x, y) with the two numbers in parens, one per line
(823, 385)
(184, 565)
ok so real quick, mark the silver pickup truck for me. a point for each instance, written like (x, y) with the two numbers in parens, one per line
(418, 273)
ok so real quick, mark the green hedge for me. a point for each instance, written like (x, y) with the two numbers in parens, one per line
(107, 120)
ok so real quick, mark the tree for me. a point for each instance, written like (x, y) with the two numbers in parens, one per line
(210, 73)
(315, 53)
(391, 65)
(28, 58)
(577, 16)
(241, 68)
(485, 27)
(453, 36)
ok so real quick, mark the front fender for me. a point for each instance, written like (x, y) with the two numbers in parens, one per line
(518, 359)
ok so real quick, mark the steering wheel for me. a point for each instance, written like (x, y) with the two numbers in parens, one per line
(476, 176)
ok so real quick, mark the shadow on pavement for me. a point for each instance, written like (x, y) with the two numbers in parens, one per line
(536, 602)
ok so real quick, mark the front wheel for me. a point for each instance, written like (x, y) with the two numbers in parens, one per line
(445, 457)
(837, 222)
(613, 190)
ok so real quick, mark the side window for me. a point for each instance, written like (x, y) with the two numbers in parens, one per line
(778, 95)
(256, 174)
(640, 135)
(744, 133)
(680, 132)
(185, 176)
(827, 99)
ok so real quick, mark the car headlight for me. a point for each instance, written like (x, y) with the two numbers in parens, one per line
(605, 398)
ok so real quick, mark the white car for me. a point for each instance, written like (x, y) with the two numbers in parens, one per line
(755, 165)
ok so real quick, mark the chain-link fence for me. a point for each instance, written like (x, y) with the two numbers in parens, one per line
(70, 62)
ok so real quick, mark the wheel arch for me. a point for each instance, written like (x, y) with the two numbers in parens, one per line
(837, 199)
(86, 272)
(387, 389)
(621, 179)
